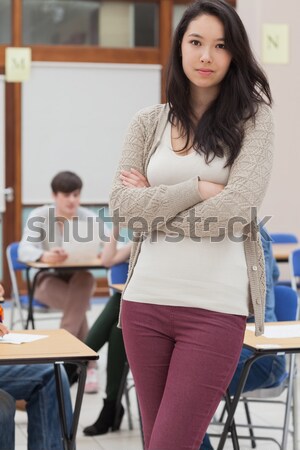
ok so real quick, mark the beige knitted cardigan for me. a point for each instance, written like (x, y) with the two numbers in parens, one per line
(164, 207)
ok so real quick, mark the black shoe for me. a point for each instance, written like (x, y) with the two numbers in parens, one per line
(106, 420)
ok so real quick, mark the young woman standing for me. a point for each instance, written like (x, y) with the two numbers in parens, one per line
(192, 175)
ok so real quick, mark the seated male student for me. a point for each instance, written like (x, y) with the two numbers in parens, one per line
(64, 290)
(36, 385)
(265, 372)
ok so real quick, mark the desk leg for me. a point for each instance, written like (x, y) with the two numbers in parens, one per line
(30, 289)
(232, 429)
(61, 407)
(232, 405)
(69, 439)
(289, 402)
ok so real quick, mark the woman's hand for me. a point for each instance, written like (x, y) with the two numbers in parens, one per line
(55, 255)
(207, 189)
(133, 179)
(3, 330)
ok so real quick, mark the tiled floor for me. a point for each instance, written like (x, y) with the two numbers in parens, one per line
(131, 440)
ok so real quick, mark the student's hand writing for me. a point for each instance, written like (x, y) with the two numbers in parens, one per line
(207, 189)
(3, 330)
(133, 179)
(55, 255)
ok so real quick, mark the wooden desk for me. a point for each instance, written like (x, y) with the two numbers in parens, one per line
(60, 346)
(41, 267)
(286, 345)
(93, 264)
(282, 345)
(282, 252)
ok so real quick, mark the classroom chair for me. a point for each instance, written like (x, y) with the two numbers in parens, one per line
(117, 274)
(284, 238)
(21, 302)
(294, 263)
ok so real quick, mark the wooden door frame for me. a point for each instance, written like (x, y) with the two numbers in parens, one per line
(12, 220)
(12, 216)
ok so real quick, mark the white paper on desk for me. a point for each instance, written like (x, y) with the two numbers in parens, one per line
(20, 338)
(279, 331)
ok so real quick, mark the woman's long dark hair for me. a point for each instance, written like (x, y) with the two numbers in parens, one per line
(243, 88)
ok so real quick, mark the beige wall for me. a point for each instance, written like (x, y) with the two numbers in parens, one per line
(283, 197)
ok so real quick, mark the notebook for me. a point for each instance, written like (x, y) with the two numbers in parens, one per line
(81, 240)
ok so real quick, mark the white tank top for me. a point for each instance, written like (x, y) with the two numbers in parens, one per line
(203, 274)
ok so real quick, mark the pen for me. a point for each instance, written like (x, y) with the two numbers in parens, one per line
(1, 309)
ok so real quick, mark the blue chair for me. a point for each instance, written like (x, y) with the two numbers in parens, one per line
(294, 262)
(286, 304)
(20, 302)
(284, 238)
(118, 274)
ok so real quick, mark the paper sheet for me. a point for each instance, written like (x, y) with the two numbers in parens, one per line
(20, 338)
(279, 331)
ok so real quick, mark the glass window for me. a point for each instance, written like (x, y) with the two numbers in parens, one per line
(94, 22)
(178, 11)
(146, 27)
(5, 22)
(62, 22)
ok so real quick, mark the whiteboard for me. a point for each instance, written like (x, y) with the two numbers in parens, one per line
(2, 144)
(74, 117)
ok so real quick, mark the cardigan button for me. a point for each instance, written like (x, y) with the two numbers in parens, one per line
(254, 268)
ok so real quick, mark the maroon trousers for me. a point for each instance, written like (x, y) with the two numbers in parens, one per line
(182, 360)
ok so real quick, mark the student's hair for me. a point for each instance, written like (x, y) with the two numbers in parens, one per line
(66, 182)
(244, 86)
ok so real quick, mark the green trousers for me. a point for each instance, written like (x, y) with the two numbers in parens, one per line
(105, 330)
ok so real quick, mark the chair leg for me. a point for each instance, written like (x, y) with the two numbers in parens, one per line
(222, 414)
(16, 304)
(232, 428)
(247, 411)
(234, 436)
(121, 391)
(12, 314)
(141, 424)
(128, 407)
(295, 414)
(288, 402)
